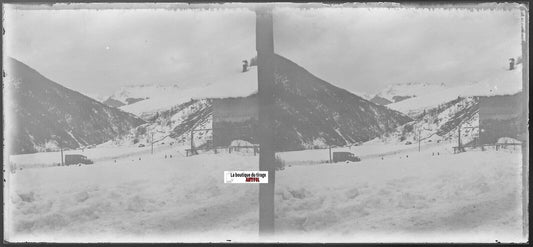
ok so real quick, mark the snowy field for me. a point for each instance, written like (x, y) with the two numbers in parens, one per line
(473, 196)
(101, 153)
(367, 151)
(409, 196)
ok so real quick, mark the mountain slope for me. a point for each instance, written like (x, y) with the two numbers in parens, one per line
(439, 115)
(134, 93)
(113, 102)
(501, 82)
(441, 123)
(380, 101)
(161, 98)
(312, 112)
(308, 113)
(402, 91)
(43, 115)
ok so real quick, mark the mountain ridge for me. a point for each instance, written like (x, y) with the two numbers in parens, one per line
(308, 113)
(46, 115)
(316, 112)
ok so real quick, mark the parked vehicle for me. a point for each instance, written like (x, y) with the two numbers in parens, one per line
(73, 159)
(141, 145)
(344, 156)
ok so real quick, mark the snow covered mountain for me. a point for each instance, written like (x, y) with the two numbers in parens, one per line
(160, 98)
(379, 100)
(441, 123)
(311, 112)
(134, 93)
(502, 82)
(308, 113)
(439, 115)
(43, 115)
(364, 95)
(96, 97)
(401, 91)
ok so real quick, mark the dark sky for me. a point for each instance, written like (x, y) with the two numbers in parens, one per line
(362, 50)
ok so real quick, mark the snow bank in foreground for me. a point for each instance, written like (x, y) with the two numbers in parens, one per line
(472, 196)
(131, 198)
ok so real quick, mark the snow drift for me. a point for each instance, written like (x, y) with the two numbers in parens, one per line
(410, 196)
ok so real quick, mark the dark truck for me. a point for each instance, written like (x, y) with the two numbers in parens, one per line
(74, 159)
(344, 156)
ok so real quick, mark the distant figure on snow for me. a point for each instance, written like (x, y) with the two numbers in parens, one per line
(245, 65)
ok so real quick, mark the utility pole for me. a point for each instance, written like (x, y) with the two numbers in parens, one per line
(192, 141)
(61, 151)
(459, 148)
(477, 139)
(330, 155)
(419, 140)
(152, 142)
(265, 73)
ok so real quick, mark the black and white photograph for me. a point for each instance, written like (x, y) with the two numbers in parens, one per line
(265, 122)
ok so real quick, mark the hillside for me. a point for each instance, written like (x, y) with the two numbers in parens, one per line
(43, 115)
(441, 123)
(161, 98)
(380, 101)
(308, 113)
(439, 115)
(311, 112)
(402, 91)
(502, 82)
(134, 93)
